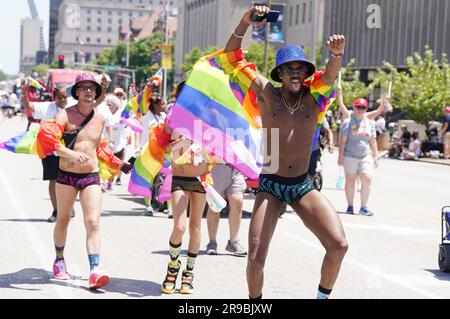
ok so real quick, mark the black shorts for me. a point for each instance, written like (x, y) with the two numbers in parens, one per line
(120, 154)
(315, 157)
(50, 166)
(188, 184)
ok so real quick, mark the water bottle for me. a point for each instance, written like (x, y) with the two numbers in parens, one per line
(341, 179)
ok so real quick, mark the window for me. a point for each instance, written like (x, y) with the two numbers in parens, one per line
(304, 12)
(99, 40)
(99, 29)
(291, 12)
(297, 13)
(310, 11)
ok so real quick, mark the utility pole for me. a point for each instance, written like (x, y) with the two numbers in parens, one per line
(166, 41)
(266, 43)
(128, 50)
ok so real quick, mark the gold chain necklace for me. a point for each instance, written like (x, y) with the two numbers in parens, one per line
(287, 105)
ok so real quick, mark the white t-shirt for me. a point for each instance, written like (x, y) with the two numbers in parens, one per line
(48, 110)
(104, 110)
(149, 120)
(413, 144)
(118, 132)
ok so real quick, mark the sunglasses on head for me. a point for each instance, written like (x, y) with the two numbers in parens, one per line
(288, 70)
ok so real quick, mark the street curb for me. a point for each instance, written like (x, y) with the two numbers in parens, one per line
(435, 162)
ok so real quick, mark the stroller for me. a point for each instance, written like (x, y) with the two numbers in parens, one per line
(444, 247)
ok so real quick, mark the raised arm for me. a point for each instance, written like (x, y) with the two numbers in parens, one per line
(380, 110)
(105, 87)
(342, 108)
(235, 41)
(25, 101)
(336, 46)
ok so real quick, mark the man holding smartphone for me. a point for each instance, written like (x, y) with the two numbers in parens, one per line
(296, 111)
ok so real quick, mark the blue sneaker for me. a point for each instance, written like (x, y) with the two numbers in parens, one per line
(365, 211)
(350, 210)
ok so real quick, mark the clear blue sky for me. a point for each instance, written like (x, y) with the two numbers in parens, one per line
(10, 15)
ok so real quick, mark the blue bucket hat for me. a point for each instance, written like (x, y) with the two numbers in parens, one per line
(291, 53)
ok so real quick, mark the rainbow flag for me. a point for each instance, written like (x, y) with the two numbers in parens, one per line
(140, 104)
(24, 143)
(32, 82)
(324, 95)
(149, 162)
(218, 110)
(107, 162)
(222, 107)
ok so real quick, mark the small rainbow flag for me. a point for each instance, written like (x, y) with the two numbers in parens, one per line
(149, 162)
(24, 143)
(33, 83)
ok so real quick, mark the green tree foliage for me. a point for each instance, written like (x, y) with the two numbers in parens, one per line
(194, 55)
(423, 90)
(141, 53)
(2, 76)
(352, 87)
(41, 69)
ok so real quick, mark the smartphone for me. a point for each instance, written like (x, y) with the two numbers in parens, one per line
(132, 160)
(272, 16)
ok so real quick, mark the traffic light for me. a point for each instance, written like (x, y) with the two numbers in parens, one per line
(61, 62)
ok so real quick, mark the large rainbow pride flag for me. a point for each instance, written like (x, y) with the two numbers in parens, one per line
(217, 110)
(46, 139)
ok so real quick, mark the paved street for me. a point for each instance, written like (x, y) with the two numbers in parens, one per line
(392, 254)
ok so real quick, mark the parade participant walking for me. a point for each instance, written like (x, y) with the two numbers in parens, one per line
(116, 134)
(230, 184)
(356, 138)
(48, 111)
(444, 133)
(186, 190)
(297, 109)
(81, 128)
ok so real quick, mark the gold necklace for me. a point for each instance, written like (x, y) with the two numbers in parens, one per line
(287, 105)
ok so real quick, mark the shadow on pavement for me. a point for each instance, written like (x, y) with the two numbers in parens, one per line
(183, 253)
(439, 274)
(32, 276)
(25, 220)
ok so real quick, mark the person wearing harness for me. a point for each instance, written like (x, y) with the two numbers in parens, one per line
(81, 129)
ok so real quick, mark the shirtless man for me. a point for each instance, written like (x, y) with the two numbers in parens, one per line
(294, 111)
(78, 174)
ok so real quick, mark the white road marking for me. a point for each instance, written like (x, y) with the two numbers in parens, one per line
(374, 272)
(39, 247)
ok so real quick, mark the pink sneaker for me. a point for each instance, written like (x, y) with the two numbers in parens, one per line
(98, 279)
(60, 270)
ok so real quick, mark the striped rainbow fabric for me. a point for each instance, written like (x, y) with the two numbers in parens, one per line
(24, 143)
(34, 83)
(140, 104)
(222, 107)
(149, 162)
(324, 96)
(219, 110)
(45, 140)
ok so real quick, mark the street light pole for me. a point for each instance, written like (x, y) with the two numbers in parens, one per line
(266, 44)
(166, 41)
(128, 50)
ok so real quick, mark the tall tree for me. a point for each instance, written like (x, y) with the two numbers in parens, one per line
(423, 90)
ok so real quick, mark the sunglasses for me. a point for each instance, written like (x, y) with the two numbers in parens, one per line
(85, 88)
(288, 70)
(362, 108)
